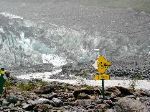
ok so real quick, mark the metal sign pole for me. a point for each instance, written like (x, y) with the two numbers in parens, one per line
(103, 93)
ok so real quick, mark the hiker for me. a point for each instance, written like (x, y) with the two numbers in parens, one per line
(3, 77)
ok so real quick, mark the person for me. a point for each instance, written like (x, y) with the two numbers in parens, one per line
(3, 77)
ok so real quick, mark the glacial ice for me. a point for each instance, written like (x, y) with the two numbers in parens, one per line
(24, 43)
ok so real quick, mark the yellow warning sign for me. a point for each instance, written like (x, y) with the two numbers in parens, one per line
(100, 77)
(105, 77)
(102, 64)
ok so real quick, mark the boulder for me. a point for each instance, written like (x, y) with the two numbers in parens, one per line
(141, 92)
(12, 99)
(45, 90)
(109, 103)
(101, 106)
(113, 92)
(130, 105)
(125, 91)
(110, 110)
(32, 103)
(50, 97)
(39, 101)
(86, 92)
(118, 91)
(5, 103)
(84, 102)
(83, 96)
(27, 107)
(42, 108)
(57, 102)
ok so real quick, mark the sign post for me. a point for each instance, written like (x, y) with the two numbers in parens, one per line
(103, 93)
(102, 64)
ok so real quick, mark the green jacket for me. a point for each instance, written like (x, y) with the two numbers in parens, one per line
(2, 72)
(2, 81)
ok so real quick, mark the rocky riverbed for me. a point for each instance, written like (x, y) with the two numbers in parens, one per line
(39, 96)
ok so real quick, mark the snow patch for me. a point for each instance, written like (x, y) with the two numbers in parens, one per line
(11, 16)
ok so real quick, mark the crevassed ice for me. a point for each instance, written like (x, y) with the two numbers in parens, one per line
(74, 45)
(2, 30)
(54, 59)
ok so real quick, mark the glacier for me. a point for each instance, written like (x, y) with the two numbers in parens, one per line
(25, 43)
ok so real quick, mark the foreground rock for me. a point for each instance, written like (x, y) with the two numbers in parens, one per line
(61, 97)
(118, 91)
(130, 105)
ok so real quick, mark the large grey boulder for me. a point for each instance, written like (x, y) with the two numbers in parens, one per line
(57, 102)
(130, 105)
